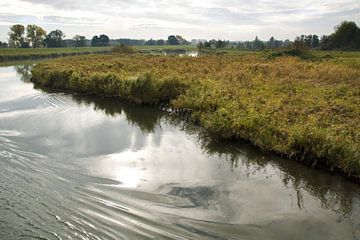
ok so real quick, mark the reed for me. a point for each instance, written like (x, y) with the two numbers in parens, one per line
(304, 110)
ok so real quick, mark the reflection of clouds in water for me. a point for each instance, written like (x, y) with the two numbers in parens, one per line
(176, 169)
(11, 87)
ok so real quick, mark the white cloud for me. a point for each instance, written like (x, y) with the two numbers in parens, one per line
(230, 19)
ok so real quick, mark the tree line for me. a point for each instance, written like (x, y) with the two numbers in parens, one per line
(345, 37)
(33, 36)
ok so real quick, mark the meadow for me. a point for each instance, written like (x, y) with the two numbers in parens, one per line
(301, 109)
(11, 54)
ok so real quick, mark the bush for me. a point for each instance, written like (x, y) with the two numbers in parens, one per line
(122, 49)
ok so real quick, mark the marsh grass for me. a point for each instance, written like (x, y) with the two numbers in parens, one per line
(13, 54)
(305, 110)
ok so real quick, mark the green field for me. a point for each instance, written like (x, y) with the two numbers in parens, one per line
(304, 110)
(10, 54)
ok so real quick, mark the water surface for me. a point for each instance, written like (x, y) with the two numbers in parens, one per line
(77, 167)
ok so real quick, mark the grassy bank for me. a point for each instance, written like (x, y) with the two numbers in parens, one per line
(304, 110)
(12, 54)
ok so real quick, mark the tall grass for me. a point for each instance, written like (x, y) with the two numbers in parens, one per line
(309, 111)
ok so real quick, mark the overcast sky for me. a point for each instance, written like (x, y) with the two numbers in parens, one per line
(204, 19)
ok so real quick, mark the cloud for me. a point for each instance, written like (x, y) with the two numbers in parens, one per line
(230, 19)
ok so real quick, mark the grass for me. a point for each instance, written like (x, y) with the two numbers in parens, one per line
(304, 110)
(11, 54)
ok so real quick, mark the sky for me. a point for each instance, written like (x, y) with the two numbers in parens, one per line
(204, 19)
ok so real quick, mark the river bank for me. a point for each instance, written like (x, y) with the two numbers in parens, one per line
(15, 54)
(307, 111)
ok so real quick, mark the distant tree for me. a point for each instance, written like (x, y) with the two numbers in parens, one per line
(271, 43)
(100, 41)
(3, 45)
(258, 44)
(220, 44)
(346, 36)
(207, 44)
(172, 40)
(16, 35)
(95, 41)
(54, 39)
(130, 42)
(325, 42)
(181, 40)
(79, 41)
(161, 42)
(315, 41)
(35, 36)
(104, 40)
(200, 46)
(151, 42)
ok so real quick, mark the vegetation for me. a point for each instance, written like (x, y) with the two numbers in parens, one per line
(3, 44)
(305, 110)
(11, 54)
(346, 37)
(123, 49)
(55, 39)
(79, 41)
(35, 36)
(16, 36)
(100, 41)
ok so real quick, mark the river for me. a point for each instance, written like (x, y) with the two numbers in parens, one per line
(80, 167)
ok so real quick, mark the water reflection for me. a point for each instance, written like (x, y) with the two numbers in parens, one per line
(334, 192)
(107, 169)
(24, 71)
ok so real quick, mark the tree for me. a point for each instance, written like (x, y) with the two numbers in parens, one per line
(151, 42)
(220, 44)
(102, 40)
(258, 44)
(55, 39)
(16, 35)
(161, 42)
(80, 41)
(346, 36)
(95, 41)
(181, 40)
(3, 44)
(315, 41)
(172, 40)
(35, 36)
(200, 46)
(271, 43)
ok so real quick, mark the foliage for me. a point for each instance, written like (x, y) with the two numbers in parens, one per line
(309, 111)
(80, 41)
(16, 35)
(346, 37)
(100, 41)
(10, 54)
(54, 39)
(35, 36)
(309, 41)
(3, 44)
(122, 49)
(153, 42)
(172, 40)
